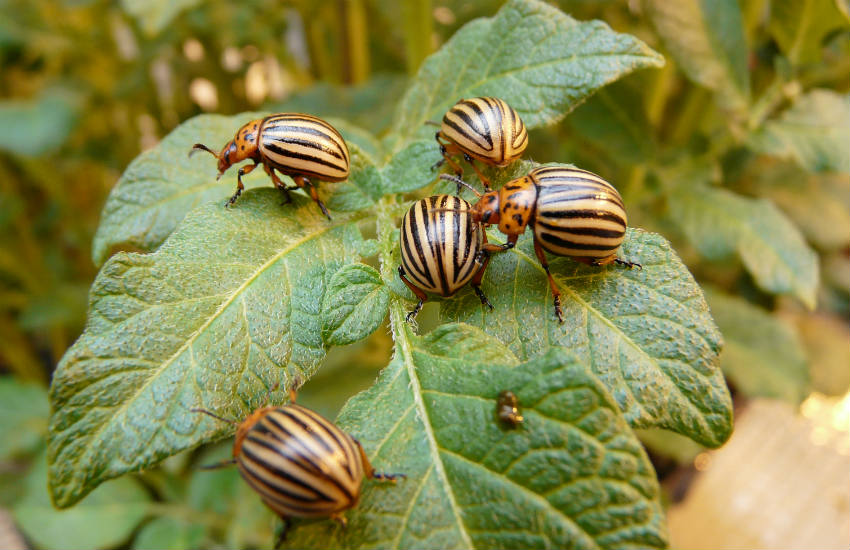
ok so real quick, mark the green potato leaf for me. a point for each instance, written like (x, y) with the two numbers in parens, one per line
(227, 307)
(720, 223)
(354, 305)
(23, 416)
(646, 333)
(813, 132)
(573, 475)
(105, 519)
(706, 38)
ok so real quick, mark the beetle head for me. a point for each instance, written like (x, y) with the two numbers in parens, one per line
(225, 158)
(486, 210)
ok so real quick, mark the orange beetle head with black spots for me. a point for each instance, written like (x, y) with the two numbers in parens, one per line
(486, 210)
(510, 207)
(243, 146)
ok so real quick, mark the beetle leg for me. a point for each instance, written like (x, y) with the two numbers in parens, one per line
(279, 184)
(479, 275)
(628, 263)
(490, 248)
(442, 152)
(417, 291)
(370, 471)
(282, 531)
(339, 518)
(485, 181)
(541, 255)
(239, 187)
(448, 149)
(304, 183)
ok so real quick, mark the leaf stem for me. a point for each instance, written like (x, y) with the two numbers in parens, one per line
(355, 45)
(418, 29)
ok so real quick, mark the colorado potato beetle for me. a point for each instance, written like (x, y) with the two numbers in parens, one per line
(297, 145)
(572, 212)
(483, 128)
(507, 408)
(440, 249)
(301, 464)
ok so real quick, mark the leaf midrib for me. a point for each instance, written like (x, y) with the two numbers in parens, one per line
(624, 337)
(187, 345)
(402, 334)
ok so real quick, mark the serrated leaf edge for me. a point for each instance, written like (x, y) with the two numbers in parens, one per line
(64, 500)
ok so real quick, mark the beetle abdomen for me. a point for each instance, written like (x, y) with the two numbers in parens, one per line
(301, 464)
(486, 128)
(303, 144)
(438, 245)
(578, 213)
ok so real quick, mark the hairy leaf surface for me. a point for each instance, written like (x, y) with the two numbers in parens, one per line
(228, 306)
(573, 475)
(646, 333)
(354, 305)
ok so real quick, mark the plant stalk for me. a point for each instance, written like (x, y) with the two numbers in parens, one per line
(418, 32)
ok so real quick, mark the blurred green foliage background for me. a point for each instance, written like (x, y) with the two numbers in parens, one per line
(85, 86)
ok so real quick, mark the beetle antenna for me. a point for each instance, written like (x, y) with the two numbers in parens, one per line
(212, 414)
(432, 123)
(202, 147)
(457, 180)
(269, 394)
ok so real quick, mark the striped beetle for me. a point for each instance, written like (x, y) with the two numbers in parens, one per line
(572, 212)
(440, 249)
(483, 128)
(300, 146)
(301, 464)
(507, 408)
